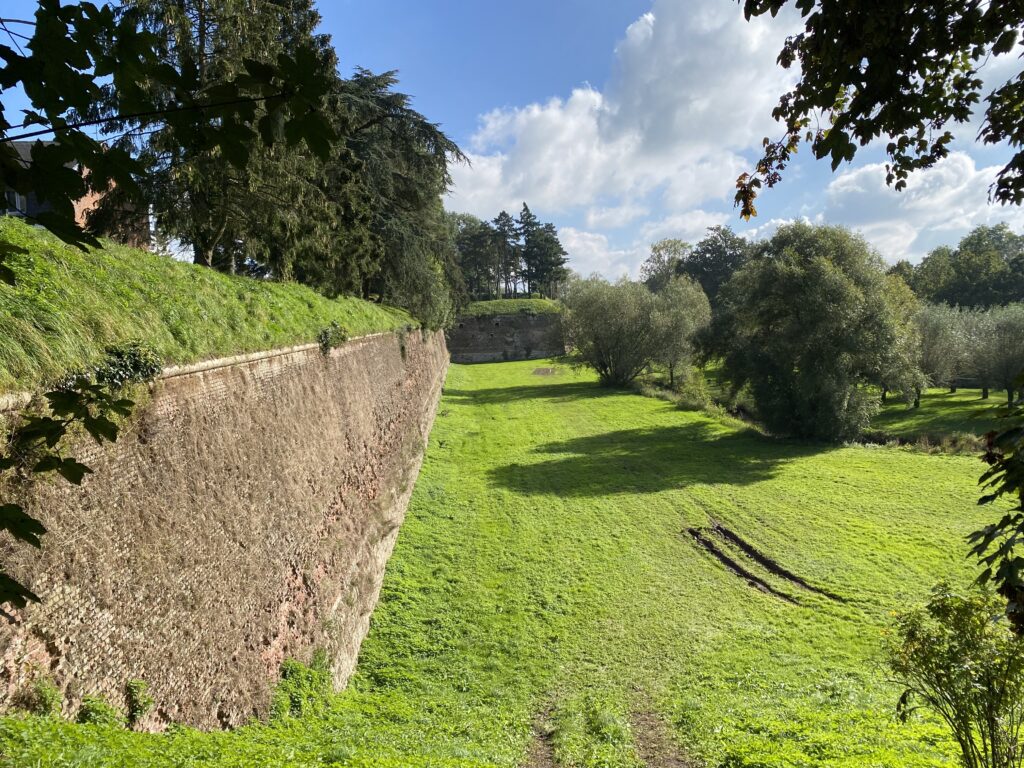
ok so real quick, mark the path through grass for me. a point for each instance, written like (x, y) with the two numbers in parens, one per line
(546, 586)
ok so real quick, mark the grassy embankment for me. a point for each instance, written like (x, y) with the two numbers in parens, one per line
(512, 307)
(67, 306)
(545, 580)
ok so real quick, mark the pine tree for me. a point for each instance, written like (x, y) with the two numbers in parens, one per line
(507, 237)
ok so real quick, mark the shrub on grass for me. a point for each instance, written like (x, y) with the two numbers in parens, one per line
(96, 710)
(958, 657)
(303, 691)
(42, 697)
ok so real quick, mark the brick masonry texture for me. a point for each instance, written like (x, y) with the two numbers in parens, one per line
(506, 337)
(244, 516)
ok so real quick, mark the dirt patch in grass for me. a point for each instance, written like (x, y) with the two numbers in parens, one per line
(768, 563)
(734, 567)
(653, 744)
(544, 371)
(542, 748)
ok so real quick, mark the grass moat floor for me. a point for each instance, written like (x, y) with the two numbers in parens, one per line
(557, 596)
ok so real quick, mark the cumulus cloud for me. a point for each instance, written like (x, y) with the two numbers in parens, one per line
(938, 206)
(654, 151)
(591, 252)
(692, 88)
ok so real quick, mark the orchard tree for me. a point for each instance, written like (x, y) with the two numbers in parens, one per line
(809, 324)
(999, 355)
(680, 313)
(901, 372)
(944, 344)
(907, 71)
(611, 327)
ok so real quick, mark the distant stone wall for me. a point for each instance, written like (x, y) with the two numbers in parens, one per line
(494, 338)
(244, 517)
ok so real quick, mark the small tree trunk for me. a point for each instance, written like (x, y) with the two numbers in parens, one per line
(671, 376)
(984, 393)
(917, 397)
(952, 389)
(1009, 395)
(885, 395)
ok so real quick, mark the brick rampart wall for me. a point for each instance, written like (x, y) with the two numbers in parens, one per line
(245, 516)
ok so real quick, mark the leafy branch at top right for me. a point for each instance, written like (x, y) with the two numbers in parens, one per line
(904, 70)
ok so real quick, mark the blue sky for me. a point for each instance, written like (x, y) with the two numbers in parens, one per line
(627, 121)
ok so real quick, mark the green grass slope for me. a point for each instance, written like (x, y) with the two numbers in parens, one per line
(512, 307)
(67, 306)
(545, 581)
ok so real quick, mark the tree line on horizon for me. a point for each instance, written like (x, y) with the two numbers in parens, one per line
(813, 323)
(509, 257)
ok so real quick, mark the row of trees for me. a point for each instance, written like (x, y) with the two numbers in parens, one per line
(509, 256)
(811, 322)
(982, 347)
(986, 269)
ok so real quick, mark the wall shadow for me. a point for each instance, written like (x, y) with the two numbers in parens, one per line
(570, 390)
(650, 460)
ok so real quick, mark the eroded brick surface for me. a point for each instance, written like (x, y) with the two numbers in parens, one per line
(245, 516)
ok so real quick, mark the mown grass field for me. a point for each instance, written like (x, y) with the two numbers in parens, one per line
(546, 603)
(68, 306)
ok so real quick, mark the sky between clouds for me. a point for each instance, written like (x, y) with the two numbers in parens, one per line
(654, 151)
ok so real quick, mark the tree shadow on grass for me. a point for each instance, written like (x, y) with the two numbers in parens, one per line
(651, 460)
(575, 390)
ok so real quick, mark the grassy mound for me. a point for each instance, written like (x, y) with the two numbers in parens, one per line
(68, 306)
(550, 594)
(512, 307)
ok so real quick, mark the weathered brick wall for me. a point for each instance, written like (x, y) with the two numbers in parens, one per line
(244, 517)
(496, 338)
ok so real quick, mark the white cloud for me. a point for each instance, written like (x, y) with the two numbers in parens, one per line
(693, 87)
(591, 252)
(615, 216)
(938, 206)
(690, 226)
(655, 151)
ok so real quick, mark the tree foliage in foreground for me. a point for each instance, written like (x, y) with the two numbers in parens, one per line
(905, 70)
(74, 49)
(957, 657)
(811, 326)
